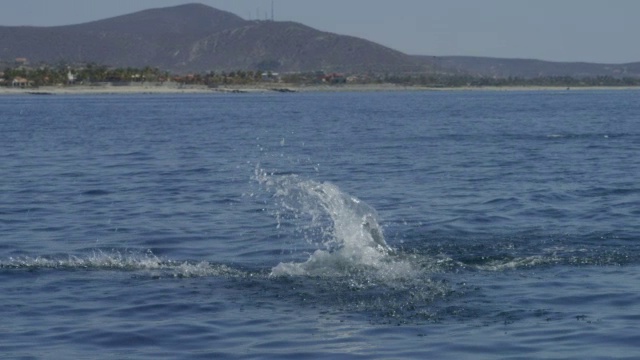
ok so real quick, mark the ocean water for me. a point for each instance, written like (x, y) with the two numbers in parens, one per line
(443, 225)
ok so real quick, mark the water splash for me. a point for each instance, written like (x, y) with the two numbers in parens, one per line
(345, 230)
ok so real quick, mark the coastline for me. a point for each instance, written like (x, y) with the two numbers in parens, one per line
(272, 87)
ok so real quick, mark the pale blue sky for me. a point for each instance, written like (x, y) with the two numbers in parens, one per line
(559, 30)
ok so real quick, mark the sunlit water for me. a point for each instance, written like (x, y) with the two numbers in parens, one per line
(441, 225)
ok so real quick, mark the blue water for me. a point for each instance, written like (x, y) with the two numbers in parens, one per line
(442, 225)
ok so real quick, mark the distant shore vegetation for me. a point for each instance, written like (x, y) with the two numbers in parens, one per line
(92, 74)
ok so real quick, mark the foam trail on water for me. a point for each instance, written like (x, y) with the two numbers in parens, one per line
(127, 261)
(348, 235)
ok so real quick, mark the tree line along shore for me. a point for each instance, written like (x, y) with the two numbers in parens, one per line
(93, 74)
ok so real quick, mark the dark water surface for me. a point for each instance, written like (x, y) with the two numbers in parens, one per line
(441, 225)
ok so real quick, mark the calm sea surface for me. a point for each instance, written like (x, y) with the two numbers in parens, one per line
(443, 225)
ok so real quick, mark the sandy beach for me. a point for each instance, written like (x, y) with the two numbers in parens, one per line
(264, 88)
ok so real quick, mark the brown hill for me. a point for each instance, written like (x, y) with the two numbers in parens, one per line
(290, 46)
(196, 37)
(199, 38)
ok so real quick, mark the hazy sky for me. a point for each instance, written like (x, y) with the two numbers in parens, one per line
(560, 30)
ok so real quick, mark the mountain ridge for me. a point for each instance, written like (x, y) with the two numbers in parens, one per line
(178, 39)
(199, 38)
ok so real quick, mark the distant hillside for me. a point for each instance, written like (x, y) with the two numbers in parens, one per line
(289, 46)
(526, 68)
(199, 38)
(196, 37)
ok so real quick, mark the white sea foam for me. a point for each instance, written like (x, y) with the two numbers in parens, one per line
(515, 263)
(131, 261)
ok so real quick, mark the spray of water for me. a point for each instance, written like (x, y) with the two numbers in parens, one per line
(345, 230)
